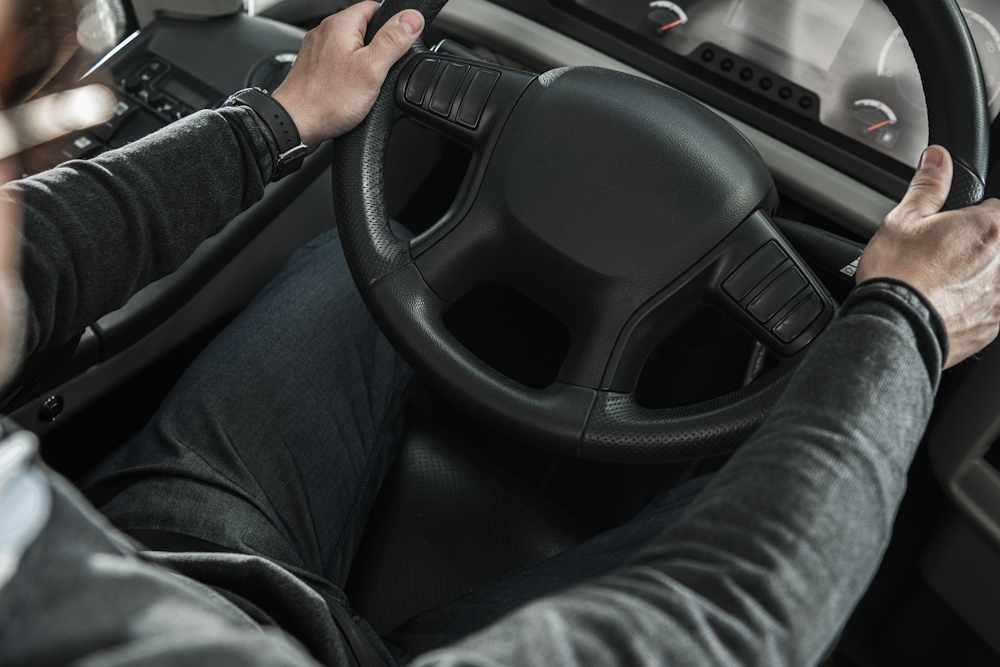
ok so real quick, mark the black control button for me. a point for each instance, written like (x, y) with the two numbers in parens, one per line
(754, 270)
(799, 319)
(106, 130)
(153, 98)
(476, 96)
(777, 295)
(131, 86)
(419, 78)
(151, 72)
(447, 87)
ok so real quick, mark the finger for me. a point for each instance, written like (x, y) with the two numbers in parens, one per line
(931, 183)
(395, 38)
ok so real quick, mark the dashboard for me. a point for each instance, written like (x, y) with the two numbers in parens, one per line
(843, 64)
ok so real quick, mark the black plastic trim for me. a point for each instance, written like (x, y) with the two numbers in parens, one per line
(154, 304)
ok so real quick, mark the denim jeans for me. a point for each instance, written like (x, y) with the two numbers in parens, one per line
(275, 442)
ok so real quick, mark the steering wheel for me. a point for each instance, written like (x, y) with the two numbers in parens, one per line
(622, 207)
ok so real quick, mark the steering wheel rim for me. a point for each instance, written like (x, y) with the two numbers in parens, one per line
(600, 422)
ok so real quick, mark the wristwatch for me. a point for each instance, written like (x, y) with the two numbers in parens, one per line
(291, 150)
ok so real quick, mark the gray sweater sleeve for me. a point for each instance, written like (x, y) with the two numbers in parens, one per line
(96, 232)
(770, 560)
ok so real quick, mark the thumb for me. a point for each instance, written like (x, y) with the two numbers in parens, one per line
(931, 183)
(395, 38)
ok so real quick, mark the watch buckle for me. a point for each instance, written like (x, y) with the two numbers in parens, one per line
(289, 161)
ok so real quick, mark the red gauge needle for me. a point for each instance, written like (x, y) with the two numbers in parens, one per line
(671, 25)
(882, 124)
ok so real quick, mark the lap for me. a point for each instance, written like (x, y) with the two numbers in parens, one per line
(276, 440)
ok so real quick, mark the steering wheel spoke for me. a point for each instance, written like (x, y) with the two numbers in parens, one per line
(754, 276)
(467, 101)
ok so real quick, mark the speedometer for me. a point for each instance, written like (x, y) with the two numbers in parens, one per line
(896, 62)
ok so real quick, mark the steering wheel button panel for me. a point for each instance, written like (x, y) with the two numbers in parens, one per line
(476, 96)
(797, 321)
(417, 84)
(777, 295)
(447, 87)
(754, 270)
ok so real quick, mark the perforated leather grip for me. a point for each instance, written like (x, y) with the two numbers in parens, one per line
(389, 8)
(953, 87)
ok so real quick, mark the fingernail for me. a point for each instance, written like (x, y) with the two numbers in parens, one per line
(412, 20)
(932, 158)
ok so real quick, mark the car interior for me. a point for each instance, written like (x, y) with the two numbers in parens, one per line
(823, 96)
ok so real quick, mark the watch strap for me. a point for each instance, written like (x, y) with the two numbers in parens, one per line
(290, 149)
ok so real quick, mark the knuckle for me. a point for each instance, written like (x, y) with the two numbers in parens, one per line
(897, 217)
(990, 230)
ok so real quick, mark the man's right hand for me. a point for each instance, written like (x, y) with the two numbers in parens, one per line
(952, 257)
(336, 78)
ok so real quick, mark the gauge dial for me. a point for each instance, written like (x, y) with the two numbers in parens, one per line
(877, 119)
(666, 15)
(896, 61)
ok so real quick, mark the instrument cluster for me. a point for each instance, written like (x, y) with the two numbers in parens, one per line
(844, 63)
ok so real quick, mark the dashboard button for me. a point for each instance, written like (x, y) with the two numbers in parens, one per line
(131, 86)
(752, 271)
(419, 78)
(78, 147)
(476, 96)
(797, 321)
(104, 131)
(151, 71)
(777, 295)
(447, 87)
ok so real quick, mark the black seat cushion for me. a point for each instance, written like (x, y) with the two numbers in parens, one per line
(448, 520)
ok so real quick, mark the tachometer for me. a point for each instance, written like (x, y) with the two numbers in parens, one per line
(896, 61)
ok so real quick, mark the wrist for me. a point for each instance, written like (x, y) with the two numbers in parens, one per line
(908, 301)
(288, 101)
(278, 124)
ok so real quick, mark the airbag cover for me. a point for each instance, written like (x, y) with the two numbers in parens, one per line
(624, 177)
